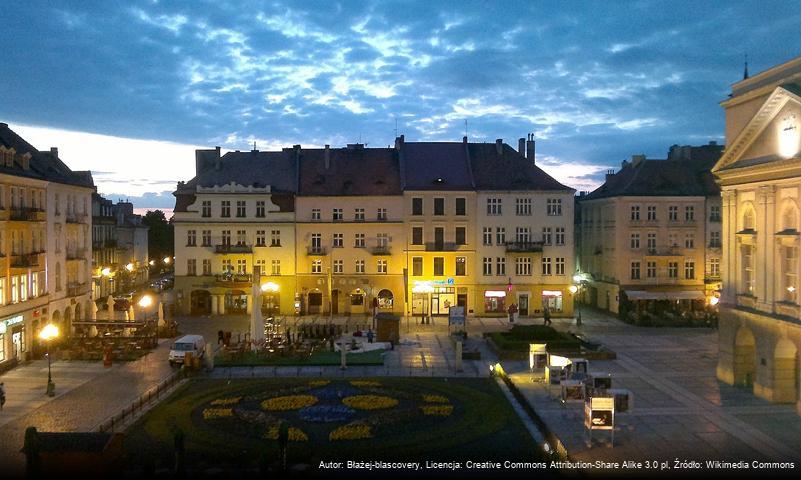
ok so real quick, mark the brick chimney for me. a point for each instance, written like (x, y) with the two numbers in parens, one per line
(54, 151)
(327, 156)
(521, 146)
(399, 142)
(530, 148)
(499, 146)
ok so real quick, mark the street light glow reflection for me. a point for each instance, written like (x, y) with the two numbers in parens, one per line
(48, 332)
(145, 301)
(269, 287)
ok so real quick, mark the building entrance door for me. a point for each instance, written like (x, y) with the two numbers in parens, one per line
(522, 309)
(16, 342)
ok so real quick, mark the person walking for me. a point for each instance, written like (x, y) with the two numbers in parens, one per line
(546, 316)
(2, 395)
(512, 310)
(370, 336)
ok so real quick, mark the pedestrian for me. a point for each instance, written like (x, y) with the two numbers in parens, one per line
(512, 310)
(2, 395)
(546, 316)
(370, 336)
(220, 337)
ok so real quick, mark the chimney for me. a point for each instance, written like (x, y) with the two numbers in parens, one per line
(521, 146)
(637, 159)
(499, 146)
(609, 174)
(54, 151)
(530, 148)
(327, 156)
(399, 142)
(464, 139)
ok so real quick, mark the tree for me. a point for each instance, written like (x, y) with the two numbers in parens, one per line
(160, 237)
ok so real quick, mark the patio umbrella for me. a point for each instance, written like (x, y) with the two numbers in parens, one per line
(94, 310)
(131, 315)
(256, 322)
(127, 317)
(162, 323)
(110, 307)
(93, 331)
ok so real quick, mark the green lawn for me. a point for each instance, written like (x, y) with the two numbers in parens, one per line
(520, 336)
(319, 358)
(480, 423)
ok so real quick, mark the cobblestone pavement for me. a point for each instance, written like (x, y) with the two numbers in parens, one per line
(680, 410)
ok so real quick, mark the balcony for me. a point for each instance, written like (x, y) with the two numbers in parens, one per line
(27, 215)
(240, 280)
(25, 260)
(523, 247)
(74, 217)
(314, 250)
(441, 246)
(74, 289)
(380, 250)
(226, 248)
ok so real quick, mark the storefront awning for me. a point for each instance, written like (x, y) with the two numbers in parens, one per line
(644, 295)
(675, 295)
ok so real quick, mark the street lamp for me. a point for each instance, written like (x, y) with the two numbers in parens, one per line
(145, 302)
(48, 333)
(580, 279)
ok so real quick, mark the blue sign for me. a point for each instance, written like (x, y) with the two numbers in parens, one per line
(450, 281)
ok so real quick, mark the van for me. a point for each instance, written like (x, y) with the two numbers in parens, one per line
(188, 343)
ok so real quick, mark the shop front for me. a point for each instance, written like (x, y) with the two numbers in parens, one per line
(12, 339)
(553, 301)
(236, 302)
(495, 302)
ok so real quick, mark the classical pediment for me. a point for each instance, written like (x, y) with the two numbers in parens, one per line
(773, 134)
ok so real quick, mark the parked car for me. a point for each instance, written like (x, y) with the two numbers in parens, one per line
(188, 343)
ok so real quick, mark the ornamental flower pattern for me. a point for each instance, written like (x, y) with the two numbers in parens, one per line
(288, 402)
(370, 402)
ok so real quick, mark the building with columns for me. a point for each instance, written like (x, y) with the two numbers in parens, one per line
(760, 178)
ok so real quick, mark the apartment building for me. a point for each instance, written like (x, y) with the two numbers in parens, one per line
(350, 231)
(237, 213)
(650, 235)
(760, 178)
(44, 255)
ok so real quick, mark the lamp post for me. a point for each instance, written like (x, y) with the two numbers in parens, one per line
(145, 302)
(48, 333)
(579, 279)
(271, 288)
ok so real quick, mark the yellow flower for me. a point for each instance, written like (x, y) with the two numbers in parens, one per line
(289, 402)
(295, 434)
(212, 413)
(226, 401)
(369, 402)
(351, 432)
(319, 383)
(364, 383)
(435, 399)
(439, 410)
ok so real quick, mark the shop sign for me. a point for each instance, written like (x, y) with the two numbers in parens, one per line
(13, 320)
(495, 293)
(551, 293)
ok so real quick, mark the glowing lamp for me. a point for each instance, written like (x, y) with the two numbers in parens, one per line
(269, 287)
(48, 332)
(573, 289)
(129, 267)
(145, 301)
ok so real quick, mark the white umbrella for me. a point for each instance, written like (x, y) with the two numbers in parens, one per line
(162, 323)
(93, 331)
(127, 317)
(131, 315)
(94, 310)
(256, 322)
(110, 307)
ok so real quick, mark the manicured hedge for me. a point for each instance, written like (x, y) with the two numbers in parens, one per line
(520, 336)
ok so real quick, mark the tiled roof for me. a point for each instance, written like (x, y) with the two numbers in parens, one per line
(351, 171)
(436, 166)
(659, 178)
(508, 170)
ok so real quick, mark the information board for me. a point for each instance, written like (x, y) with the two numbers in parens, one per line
(456, 315)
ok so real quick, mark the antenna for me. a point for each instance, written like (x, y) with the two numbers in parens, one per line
(465, 127)
(254, 144)
(396, 127)
(745, 71)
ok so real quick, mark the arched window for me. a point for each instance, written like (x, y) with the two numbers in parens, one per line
(749, 219)
(747, 260)
(385, 299)
(789, 259)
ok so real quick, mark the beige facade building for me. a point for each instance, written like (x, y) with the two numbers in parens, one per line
(760, 178)
(44, 246)
(650, 235)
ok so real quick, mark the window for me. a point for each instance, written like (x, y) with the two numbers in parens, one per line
(417, 206)
(673, 213)
(315, 214)
(317, 266)
(276, 267)
(546, 265)
(635, 270)
(634, 241)
(522, 235)
(206, 266)
(714, 213)
(205, 209)
(226, 237)
(226, 266)
(651, 213)
(191, 266)
(336, 215)
(359, 266)
(206, 238)
(381, 215)
(191, 238)
(651, 243)
(689, 240)
(487, 235)
(547, 236)
(58, 277)
(789, 276)
(650, 269)
(260, 264)
(689, 269)
(241, 237)
(673, 269)
(461, 206)
(439, 266)
(500, 265)
(23, 288)
(316, 242)
(359, 240)
(714, 267)
(560, 265)
(635, 212)
(260, 208)
(338, 266)
(383, 239)
(714, 239)
(500, 236)
(749, 220)
(673, 239)
(747, 254)
(689, 213)
(523, 266)
(358, 215)
(240, 208)
(487, 263)
(226, 208)
(339, 240)
(15, 289)
(242, 267)
(439, 206)
(261, 238)
(560, 235)
(417, 235)
(522, 206)
(554, 206)
(494, 206)
(417, 266)
(461, 267)
(461, 236)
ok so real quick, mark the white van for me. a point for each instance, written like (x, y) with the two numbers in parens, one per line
(188, 343)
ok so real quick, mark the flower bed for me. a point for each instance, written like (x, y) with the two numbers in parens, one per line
(334, 392)
(227, 401)
(319, 383)
(437, 410)
(213, 413)
(435, 398)
(365, 383)
(326, 413)
(370, 402)
(351, 432)
(288, 402)
(295, 434)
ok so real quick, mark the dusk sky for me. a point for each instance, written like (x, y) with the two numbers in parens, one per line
(129, 89)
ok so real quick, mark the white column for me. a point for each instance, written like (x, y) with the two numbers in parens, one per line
(772, 270)
(221, 303)
(215, 309)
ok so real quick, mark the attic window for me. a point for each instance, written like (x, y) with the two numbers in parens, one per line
(439, 180)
